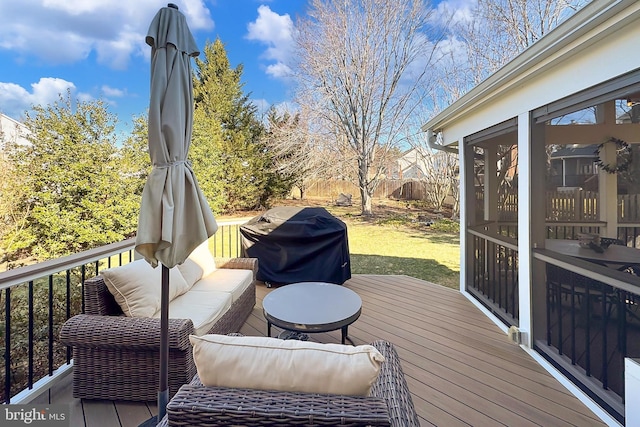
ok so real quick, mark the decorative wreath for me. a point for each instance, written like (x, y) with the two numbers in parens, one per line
(623, 156)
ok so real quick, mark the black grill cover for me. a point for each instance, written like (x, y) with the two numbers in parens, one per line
(296, 244)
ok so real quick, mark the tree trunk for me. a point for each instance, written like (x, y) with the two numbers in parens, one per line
(365, 203)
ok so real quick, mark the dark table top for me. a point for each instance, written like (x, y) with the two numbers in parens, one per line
(614, 254)
(312, 306)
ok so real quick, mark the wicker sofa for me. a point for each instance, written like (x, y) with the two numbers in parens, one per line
(389, 404)
(117, 357)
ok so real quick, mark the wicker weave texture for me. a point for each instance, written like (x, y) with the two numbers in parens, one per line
(118, 358)
(389, 404)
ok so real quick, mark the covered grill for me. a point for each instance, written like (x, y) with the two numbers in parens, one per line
(296, 244)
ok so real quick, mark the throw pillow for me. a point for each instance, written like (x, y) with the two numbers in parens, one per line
(136, 287)
(288, 365)
(199, 264)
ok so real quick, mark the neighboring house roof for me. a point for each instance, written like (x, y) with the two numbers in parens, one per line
(576, 151)
(412, 163)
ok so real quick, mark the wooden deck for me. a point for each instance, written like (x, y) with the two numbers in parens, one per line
(461, 368)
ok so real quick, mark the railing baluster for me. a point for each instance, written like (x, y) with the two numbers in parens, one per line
(7, 345)
(605, 323)
(50, 349)
(559, 318)
(573, 325)
(31, 327)
(587, 330)
(82, 278)
(68, 307)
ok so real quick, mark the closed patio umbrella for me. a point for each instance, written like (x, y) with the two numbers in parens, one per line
(174, 217)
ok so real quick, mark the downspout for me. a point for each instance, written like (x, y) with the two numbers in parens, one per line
(433, 145)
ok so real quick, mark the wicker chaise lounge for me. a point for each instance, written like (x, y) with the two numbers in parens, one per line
(389, 404)
(117, 357)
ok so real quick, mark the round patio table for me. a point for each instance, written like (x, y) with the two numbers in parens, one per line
(312, 307)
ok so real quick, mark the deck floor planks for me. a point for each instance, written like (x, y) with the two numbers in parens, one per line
(132, 414)
(460, 367)
(543, 395)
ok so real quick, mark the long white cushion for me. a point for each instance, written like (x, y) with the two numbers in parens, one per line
(136, 287)
(203, 308)
(233, 281)
(288, 365)
(200, 263)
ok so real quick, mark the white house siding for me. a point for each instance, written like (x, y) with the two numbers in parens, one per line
(11, 130)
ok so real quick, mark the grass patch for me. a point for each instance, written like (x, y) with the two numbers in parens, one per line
(386, 249)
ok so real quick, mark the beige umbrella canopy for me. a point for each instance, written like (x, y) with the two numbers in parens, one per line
(174, 214)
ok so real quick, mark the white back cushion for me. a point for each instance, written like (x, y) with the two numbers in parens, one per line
(200, 263)
(136, 287)
(288, 365)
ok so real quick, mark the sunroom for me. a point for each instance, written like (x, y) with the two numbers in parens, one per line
(556, 265)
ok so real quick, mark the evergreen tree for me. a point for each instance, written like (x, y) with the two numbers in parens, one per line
(135, 163)
(74, 192)
(228, 157)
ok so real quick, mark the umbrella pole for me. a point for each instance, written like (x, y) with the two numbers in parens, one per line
(163, 388)
(163, 392)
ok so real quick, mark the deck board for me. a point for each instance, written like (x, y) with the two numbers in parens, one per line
(461, 368)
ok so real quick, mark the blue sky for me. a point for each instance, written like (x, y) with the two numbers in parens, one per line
(96, 48)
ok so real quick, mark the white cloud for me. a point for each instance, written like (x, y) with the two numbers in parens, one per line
(67, 31)
(113, 92)
(454, 12)
(276, 32)
(15, 99)
(278, 70)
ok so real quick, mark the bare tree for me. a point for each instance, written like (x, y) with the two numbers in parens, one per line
(504, 28)
(441, 175)
(495, 32)
(361, 67)
(299, 151)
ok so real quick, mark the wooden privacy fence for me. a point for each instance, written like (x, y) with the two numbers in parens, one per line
(403, 189)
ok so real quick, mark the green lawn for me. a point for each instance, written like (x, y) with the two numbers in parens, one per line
(418, 252)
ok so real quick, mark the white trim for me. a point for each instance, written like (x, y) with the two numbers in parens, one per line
(463, 218)
(525, 320)
(42, 385)
(632, 391)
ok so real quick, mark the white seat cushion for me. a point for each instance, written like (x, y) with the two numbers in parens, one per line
(136, 287)
(288, 365)
(200, 263)
(204, 308)
(228, 280)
